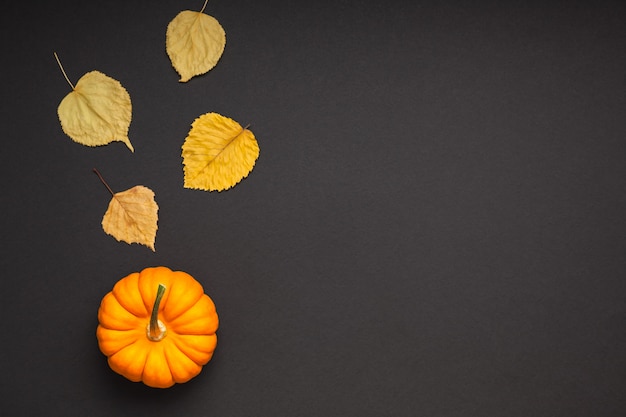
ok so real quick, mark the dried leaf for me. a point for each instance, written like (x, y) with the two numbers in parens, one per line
(132, 215)
(194, 41)
(217, 153)
(97, 112)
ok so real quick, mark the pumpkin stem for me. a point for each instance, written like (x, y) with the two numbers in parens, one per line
(156, 329)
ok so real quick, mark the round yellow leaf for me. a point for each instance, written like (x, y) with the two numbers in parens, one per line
(218, 153)
(97, 112)
(194, 42)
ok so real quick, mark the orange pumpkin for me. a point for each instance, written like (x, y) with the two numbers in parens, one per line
(157, 326)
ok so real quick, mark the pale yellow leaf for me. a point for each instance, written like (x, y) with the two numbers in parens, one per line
(194, 41)
(132, 216)
(217, 153)
(97, 112)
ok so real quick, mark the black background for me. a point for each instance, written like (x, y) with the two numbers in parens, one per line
(435, 225)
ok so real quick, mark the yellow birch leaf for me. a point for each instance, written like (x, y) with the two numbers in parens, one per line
(132, 215)
(217, 153)
(97, 111)
(194, 41)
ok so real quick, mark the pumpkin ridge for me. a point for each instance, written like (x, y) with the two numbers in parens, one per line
(176, 343)
(143, 368)
(146, 303)
(129, 306)
(125, 346)
(199, 319)
(104, 326)
(123, 306)
(112, 315)
(172, 318)
(185, 353)
(167, 312)
(170, 365)
(204, 356)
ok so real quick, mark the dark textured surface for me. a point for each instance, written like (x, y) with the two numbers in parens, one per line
(435, 225)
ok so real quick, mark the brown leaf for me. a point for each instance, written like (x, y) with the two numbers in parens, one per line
(132, 215)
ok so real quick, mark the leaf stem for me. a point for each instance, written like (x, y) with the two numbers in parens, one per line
(156, 330)
(205, 3)
(63, 71)
(104, 182)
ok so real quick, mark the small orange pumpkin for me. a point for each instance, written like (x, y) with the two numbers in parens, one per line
(157, 326)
